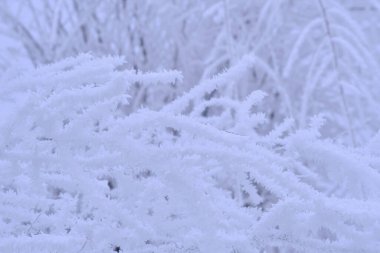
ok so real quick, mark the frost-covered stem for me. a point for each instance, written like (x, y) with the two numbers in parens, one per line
(231, 51)
(228, 27)
(336, 67)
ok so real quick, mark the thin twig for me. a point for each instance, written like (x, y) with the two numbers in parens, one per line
(336, 67)
(31, 224)
(84, 245)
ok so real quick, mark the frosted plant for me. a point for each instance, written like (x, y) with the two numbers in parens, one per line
(79, 174)
(312, 57)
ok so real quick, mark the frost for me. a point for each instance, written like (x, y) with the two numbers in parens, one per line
(263, 138)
